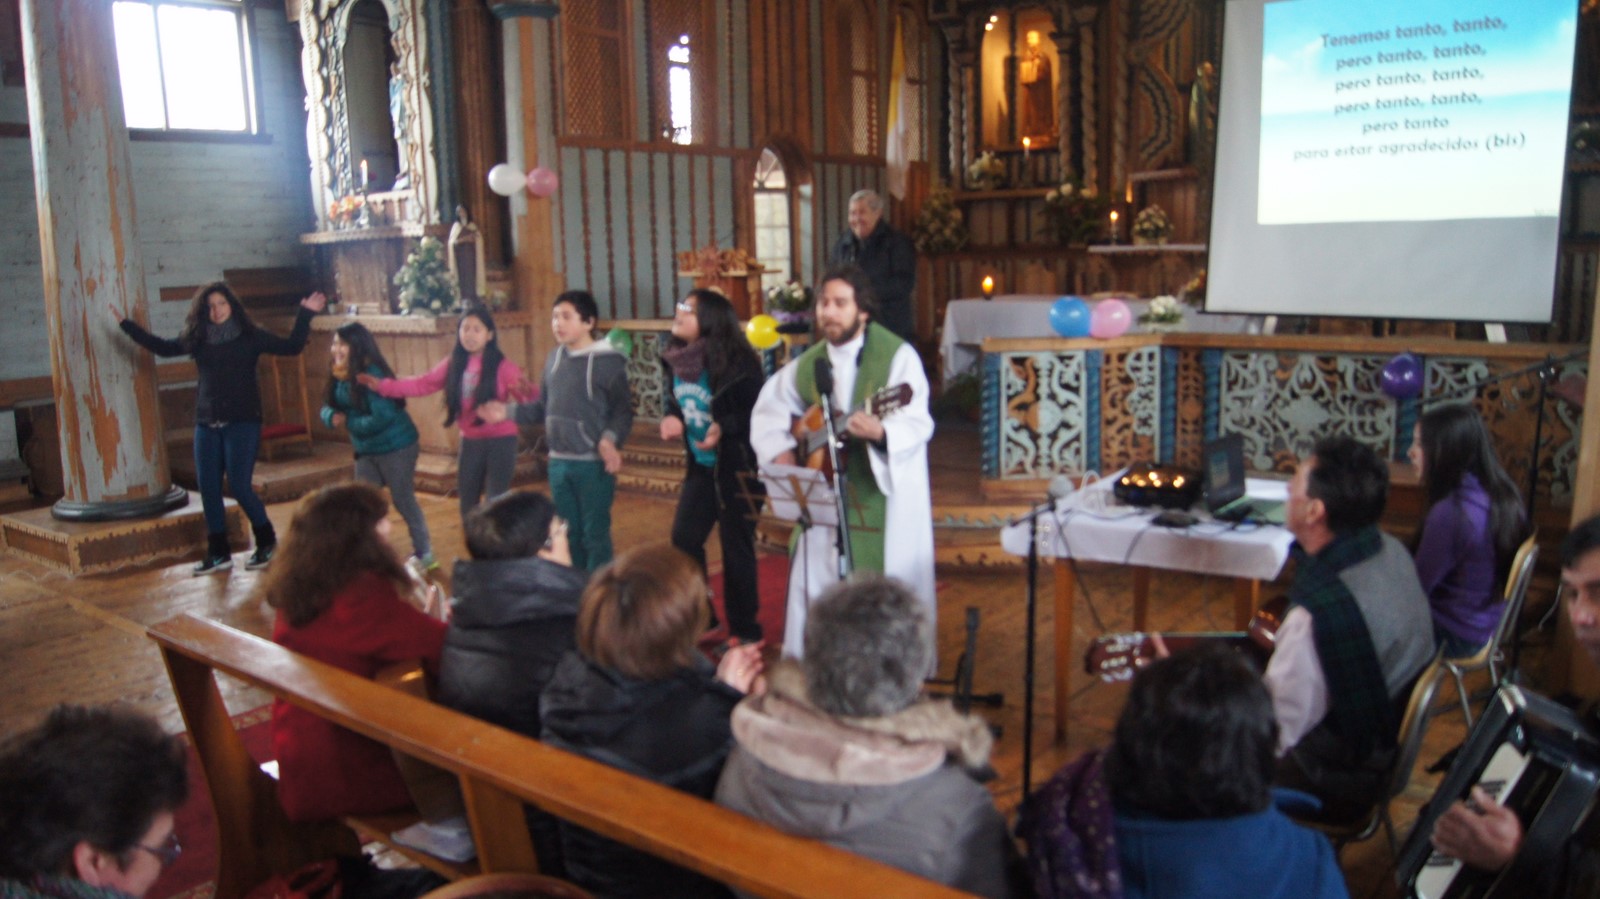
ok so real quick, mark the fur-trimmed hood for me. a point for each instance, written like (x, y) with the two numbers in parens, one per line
(786, 732)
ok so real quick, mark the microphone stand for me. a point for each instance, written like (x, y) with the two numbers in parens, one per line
(841, 534)
(1032, 517)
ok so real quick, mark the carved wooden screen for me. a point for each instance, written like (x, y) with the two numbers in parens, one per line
(669, 22)
(595, 69)
(916, 43)
(852, 83)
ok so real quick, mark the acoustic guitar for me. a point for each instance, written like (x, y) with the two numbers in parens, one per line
(811, 434)
(1116, 657)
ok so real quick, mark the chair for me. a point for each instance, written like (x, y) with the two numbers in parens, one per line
(285, 406)
(1493, 652)
(1408, 745)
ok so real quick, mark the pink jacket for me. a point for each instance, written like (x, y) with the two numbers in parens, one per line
(509, 387)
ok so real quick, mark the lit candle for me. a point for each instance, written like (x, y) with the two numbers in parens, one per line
(1128, 194)
(1027, 145)
(1113, 226)
(988, 286)
(364, 181)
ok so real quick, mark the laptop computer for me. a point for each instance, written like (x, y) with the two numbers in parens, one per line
(1227, 488)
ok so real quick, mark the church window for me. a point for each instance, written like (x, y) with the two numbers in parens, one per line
(185, 66)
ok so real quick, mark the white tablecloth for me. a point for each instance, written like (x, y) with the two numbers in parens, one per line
(1088, 525)
(968, 321)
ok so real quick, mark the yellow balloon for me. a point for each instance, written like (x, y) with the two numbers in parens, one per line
(762, 332)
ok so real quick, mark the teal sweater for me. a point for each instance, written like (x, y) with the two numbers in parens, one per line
(382, 428)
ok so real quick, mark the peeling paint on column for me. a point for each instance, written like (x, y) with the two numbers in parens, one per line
(112, 446)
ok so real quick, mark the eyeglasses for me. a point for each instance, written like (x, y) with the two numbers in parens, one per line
(167, 852)
(685, 306)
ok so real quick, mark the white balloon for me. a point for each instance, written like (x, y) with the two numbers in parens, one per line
(506, 180)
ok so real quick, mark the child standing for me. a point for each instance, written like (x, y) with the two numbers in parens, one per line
(475, 373)
(382, 434)
(587, 410)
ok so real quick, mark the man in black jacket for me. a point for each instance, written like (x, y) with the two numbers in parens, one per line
(888, 258)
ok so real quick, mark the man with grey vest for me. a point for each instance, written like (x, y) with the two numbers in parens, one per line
(1356, 636)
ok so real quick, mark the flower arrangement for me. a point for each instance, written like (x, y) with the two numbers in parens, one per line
(986, 172)
(1152, 225)
(426, 285)
(940, 227)
(344, 211)
(1072, 213)
(790, 302)
(1164, 310)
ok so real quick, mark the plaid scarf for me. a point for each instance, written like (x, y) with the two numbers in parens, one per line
(1359, 709)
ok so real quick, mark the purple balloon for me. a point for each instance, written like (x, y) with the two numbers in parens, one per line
(541, 182)
(1401, 377)
(1110, 318)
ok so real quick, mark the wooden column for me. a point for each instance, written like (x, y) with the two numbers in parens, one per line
(479, 112)
(113, 458)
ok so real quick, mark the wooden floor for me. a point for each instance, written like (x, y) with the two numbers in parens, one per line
(83, 640)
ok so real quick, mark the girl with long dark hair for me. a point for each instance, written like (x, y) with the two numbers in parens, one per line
(381, 432)
(716, 378)
(474, 373)
(226, 345)
(339, 590)
(1472, 527)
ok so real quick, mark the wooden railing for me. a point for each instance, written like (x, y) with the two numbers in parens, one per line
(499, 771)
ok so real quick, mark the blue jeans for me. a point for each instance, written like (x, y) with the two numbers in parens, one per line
(230, 448)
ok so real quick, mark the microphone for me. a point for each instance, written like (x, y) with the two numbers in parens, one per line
(1061, 487)
(823, 373)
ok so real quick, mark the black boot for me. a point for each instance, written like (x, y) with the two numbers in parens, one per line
(266, 544)
(218, 557)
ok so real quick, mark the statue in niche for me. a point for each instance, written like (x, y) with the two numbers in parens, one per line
(402, 120)
(466, 258)
(1037, 103)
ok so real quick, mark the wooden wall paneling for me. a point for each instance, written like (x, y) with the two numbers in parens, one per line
(809, 228)
(732, 199)
(664, 240)
(818, 138)
(683, 236)
(573, 236)
(643, 256)
(700, 188)
(742, 171)
(640, 94)
(595, 237)
(479, 122)
(618, 236)
(760, 52)
(741, 70)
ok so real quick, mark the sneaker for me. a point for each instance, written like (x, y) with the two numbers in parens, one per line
(424, 563)
(261, 557)
(212, 565)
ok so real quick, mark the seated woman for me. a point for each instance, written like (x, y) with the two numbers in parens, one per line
(338, 589)
(90, 796)
(1470, 532)
(638, 696)
(840, 749)
(514, 612)
(1182, 803)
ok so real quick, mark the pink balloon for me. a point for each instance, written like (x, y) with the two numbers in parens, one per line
(541, 182)
(1110, 318)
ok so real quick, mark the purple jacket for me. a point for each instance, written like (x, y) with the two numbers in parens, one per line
(1457, 566)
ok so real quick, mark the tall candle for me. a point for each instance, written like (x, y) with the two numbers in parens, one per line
(364, 180)
(1027, 145)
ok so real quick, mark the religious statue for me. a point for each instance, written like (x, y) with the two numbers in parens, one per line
(1037, 103)
(401, 118)
(466, 258)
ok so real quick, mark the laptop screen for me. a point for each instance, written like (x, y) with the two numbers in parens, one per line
(1224, 470)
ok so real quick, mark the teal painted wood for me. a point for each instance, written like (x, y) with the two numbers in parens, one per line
(570, 195)
(646, 254)
(667, 247)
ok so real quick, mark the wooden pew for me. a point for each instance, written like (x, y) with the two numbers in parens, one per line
(499, 771)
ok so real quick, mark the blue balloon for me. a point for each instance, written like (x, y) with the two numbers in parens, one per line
(1401, 376)
(1070, 316)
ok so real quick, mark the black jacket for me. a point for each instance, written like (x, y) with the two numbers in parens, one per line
(228, 391)
(673, 731)
(890, 261)
(513, 621)
(731, 404)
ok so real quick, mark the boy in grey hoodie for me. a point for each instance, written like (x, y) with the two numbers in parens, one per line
(587, 410)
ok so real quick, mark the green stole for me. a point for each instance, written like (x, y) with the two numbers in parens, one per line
(865, 505)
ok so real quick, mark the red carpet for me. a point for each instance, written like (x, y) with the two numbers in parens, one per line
(772, 580)
(192, 876)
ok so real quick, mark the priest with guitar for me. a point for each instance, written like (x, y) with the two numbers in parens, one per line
(889, 514)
